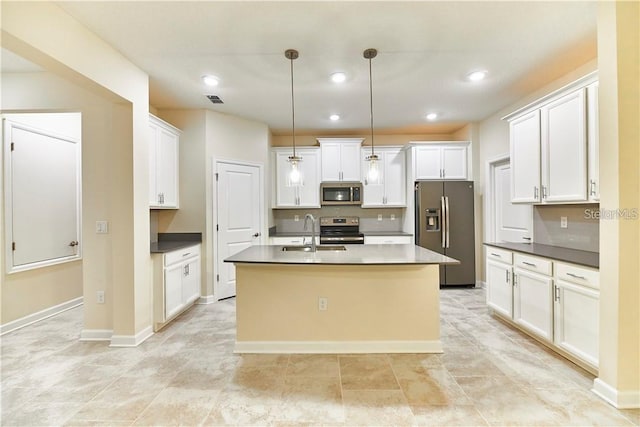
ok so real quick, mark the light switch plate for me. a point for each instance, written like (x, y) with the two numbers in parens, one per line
(379, 217)
(102, 227)
(563, 222)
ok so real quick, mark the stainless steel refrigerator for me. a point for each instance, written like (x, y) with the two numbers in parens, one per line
(444, 224)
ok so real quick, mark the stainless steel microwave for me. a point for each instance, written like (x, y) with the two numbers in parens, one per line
(340, 193)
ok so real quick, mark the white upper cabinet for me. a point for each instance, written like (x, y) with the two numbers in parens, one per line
(340, 159)
(564, 149)
(164, 146)
(391, 191)
(593, 143)
(554, 152)
(524, 134)
(440, 161)
(305, 196)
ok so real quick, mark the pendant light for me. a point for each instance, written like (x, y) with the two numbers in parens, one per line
(294, 178)
(373, 174)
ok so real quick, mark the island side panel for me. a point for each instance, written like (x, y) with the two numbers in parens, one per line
(373, 308)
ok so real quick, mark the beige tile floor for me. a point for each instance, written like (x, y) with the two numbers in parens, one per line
(188, 375)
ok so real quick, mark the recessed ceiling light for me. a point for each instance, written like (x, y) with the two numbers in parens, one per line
(334, 117)
(210, 80)
(476, 76)
(432, 116)
(338, 77)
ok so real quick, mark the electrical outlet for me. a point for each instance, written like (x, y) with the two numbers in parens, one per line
(102, 227)
(379, 217)
(563, 222)
(392, 217)
(323, 303)
(100, 297)
(296, 218)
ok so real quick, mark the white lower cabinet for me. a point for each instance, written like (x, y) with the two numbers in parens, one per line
(555, 301)
(576, 319)
(293, 240)
(499, 287)
(387, 240)
(176, 283)
(533, 303)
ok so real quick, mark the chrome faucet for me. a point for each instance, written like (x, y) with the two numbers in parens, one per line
(313, 230)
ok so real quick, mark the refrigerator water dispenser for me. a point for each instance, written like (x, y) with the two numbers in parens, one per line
(432, 219)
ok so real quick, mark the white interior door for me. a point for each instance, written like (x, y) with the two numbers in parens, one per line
(512, 221)
(239, 208)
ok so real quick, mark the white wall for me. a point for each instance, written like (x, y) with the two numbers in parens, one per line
(29, 292)
(207, 137)
(44, 34)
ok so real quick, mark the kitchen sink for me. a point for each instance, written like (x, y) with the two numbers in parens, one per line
(318, 248)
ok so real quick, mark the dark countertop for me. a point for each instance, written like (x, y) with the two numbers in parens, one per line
(366, 233)
(168, 242)
(352, 255)
(588, 259)
(385, 233)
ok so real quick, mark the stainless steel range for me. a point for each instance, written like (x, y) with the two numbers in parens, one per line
(340, 229)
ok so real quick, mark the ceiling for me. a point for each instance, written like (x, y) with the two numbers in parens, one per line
(425, 51)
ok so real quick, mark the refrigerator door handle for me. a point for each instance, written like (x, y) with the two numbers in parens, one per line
(443, 223)
(446, 201)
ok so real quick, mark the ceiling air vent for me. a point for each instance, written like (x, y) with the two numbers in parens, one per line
(215, 99)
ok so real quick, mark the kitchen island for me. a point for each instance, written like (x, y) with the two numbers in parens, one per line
(365, 299)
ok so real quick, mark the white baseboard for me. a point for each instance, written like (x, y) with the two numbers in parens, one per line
(131, 340)
(96, 335)
(338, 347)
(40, 315)
(206, 299)
(619, 399)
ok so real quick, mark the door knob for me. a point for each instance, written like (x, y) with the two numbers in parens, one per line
(256, 235)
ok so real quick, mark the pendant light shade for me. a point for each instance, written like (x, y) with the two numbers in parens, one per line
(373, 173)
(294, 177)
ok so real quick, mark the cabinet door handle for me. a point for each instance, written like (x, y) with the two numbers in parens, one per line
(535, 192)
(256, 235)
(576, 276)
(592, 187)
(507, 271)
(515, 279)
(556, 293)
(495, 254)
(544, 191)
(527, 238)
(530, 264)
(74, 243)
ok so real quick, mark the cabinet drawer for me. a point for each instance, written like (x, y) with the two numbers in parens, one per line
(179, 255)
(499, 255)
(531, 263)
(578, 275)
(387, 240)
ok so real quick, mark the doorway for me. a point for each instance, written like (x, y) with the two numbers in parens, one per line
(239, 218)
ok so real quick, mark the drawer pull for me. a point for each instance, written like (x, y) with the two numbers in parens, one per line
(529, 263)
(187, 254)
(576, 276)
(527, 238)
(495, 254)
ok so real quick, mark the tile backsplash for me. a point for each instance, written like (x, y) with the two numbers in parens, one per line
(285, 218)
(582, 232)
